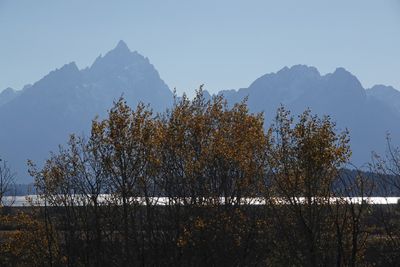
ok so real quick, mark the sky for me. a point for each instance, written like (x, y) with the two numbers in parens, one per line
(224, 44)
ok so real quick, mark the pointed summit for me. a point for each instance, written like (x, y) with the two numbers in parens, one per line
(68, 70)
(119, 60)
(120, 56)
(63, 77)
(70, 67)
(345, 76)
(342, 84)
(121, 46)
(120, 53)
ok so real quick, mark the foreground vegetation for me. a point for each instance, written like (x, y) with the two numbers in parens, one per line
(207, 158)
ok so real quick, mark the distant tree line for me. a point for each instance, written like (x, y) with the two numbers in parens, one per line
(209, 162)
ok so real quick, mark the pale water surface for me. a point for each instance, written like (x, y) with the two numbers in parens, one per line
(26, 201)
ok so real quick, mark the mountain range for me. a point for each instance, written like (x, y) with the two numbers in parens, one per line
(36, 119)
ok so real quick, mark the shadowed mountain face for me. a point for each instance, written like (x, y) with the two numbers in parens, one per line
(38, 118)
(387, 95)
(7, 95)
(368, 114)
(66, 100)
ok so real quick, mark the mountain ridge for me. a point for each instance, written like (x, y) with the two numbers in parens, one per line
(67, 99)
(339, 95)
(41, 116)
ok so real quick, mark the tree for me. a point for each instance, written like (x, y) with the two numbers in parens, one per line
(387, 169)
(7, 179)
(117, 160)
(206, 158)
(177, 189)
(304, 159)
(26, 243)
(211, 164)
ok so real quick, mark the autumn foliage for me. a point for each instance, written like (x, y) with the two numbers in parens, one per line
(176, 189)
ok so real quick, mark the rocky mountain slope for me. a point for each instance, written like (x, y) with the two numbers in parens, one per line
(35, 120)
(66, 100)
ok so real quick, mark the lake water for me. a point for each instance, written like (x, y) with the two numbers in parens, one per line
(26, 201)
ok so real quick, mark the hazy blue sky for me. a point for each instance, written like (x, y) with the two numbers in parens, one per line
(223, 44)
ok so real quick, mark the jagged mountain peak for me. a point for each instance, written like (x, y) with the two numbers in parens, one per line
(119, 60)
(288, 75)
(120, 50)
(122, 47)
(343, 73)
(62, 77)
(70, 67)
(300, 70)
(287, 84)
(67, 69)
(67, 99)
(338, 94)
(345, 85)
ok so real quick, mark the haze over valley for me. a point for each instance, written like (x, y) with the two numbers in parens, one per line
(39, 117)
